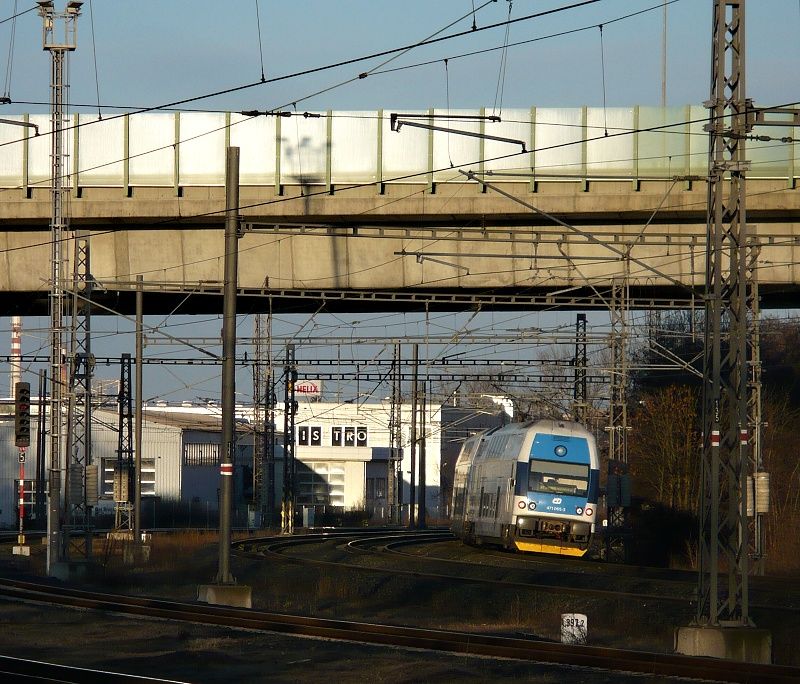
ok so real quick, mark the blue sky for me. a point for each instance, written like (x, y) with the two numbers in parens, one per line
(152, 52)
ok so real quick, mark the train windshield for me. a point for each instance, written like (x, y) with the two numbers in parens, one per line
(558, 477)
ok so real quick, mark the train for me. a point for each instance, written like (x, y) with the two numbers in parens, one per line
(529, 486)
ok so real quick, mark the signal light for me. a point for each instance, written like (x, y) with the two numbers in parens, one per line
(22, 414)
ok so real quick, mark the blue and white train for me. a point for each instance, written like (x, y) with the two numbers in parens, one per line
(528, 486)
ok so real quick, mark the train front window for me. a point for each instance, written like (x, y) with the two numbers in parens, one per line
(553, 477)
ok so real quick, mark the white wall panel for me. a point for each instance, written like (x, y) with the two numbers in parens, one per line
(450, 150)
(405, 152)
(39, 165)
(100, 151)
(611, 156)
(558, 132)
(12, 152)
(255, 138)
(303, 149)
(354, 147)
(151, 149)
(698, 163)
(516, 125)
(662, 152)
(354, 154)
(771, 158)
(202, 150)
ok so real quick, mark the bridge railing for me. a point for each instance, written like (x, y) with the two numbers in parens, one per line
(185, 149)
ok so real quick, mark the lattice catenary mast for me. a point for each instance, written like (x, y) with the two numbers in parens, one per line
(59, 37)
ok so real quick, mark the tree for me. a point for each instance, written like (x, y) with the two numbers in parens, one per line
(664, 447)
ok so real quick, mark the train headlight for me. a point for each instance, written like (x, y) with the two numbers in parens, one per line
(521, 504)
(560, 451)
(578, 510)
(532, 506)
(589, 511)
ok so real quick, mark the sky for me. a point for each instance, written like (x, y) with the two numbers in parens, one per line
(150, 53)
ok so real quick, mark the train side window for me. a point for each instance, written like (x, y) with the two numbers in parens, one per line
(521, 479)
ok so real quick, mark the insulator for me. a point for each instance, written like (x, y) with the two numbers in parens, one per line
(762, 492)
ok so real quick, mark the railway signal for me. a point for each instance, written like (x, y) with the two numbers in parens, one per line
(22, 435)
(22, 414)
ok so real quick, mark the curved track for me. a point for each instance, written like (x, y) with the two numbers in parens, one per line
(573, 576)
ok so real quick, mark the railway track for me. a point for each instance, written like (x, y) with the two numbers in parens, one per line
(585, 578)
(464, 643)
(21, 669)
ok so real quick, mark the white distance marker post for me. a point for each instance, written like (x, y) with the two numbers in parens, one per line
(574, 629)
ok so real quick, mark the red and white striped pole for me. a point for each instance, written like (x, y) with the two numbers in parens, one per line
(16, 352)
(21, 536)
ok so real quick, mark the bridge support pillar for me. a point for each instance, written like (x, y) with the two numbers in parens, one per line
(745, 644)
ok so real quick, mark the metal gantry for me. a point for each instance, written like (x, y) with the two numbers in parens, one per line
(264, 428)
(724, 533)
(289, 465)
(617, 532)
(59, 37)
(261, 390)
(580, 397)
(81, 485)
(757, 504)
(124, 484)
(395, 475)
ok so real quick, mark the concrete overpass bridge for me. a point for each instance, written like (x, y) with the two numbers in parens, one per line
(342, 212)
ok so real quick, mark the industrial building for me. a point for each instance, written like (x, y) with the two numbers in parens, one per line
(342, 462)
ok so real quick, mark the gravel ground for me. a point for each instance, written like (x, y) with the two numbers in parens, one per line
(208, 654)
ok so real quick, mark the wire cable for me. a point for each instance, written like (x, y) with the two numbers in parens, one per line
(603, 70)
(260, 47)
(94, 59)
(10, 62)
(501, 74)
(18, 14)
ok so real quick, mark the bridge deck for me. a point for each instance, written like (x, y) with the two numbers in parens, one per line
(386, 220)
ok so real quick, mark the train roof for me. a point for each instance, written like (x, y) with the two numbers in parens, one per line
(547, 423)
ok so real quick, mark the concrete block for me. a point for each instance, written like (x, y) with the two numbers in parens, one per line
(68, 571)
(120, 535)
(234, 595)
(745, 644)
(135, 554)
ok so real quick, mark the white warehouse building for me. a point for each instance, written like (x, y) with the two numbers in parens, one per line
(342, 453)
(342, 460)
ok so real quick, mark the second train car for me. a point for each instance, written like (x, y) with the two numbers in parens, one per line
(528, 486)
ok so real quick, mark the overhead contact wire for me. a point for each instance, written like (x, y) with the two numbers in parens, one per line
(10, 63)
(94, 59)
(260, 47)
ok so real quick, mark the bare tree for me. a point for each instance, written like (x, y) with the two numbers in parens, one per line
(664, 446)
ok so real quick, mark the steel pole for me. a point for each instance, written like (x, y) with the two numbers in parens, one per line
(412, 496)
(423, 446)
(228, 361)
(137, 418)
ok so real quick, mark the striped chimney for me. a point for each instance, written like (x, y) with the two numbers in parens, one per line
(16, 352)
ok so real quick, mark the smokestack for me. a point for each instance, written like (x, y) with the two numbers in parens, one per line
(16, 352)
